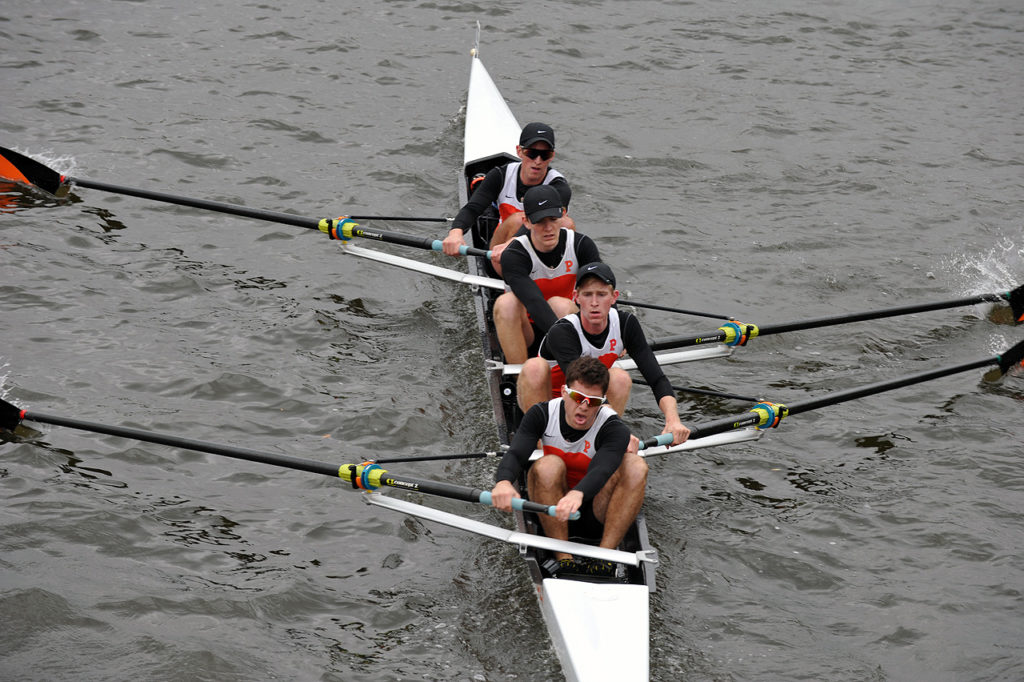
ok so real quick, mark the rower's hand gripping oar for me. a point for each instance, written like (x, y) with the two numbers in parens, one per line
(367, 476)
(655, 441)
(768, 415)
(20, 168)
(371, 476)
(734, 333)
(344, 228)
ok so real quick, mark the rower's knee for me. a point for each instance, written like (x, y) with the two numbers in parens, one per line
(619, 386)
(634, 470)
(534, 382)
(507, 308)
(562, 306)
(619, 381)
(535, 373)
(547, 472)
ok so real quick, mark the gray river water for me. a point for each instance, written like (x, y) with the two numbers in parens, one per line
(769, 160)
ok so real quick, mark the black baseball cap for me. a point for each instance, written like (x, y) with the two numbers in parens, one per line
(542, 201)
(595, 269)
(537, 132)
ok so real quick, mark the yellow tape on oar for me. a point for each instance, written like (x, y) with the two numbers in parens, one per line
(738, 333)
(365, 476)
(331, 228)
(770, 414)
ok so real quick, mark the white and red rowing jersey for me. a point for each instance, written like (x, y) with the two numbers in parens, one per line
(508, 202)
(559, 280)
(613, 349)
(578, 453)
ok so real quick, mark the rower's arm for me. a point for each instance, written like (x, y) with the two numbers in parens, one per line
(515, 270)
(673, 424)
(640, 351)
(610, 445)
(483, 196)
(561, 344)
(523, 443)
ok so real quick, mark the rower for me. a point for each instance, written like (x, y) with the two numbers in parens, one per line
(539, 269)
(602, 331)
(504, 187)
(590, 464)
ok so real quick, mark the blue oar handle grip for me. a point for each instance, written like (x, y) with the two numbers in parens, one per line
(520, 504)
(663, 439)
(437, 245)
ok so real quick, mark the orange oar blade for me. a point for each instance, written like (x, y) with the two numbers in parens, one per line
(20, 168)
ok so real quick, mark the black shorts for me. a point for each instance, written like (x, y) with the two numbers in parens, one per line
(587, 527)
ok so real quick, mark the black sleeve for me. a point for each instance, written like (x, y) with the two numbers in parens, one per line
(483, 196)
(564, 191)
(523, 444)
(586, 250)
(561, 344)
(515, 270)
(610, 445)
(638, 348)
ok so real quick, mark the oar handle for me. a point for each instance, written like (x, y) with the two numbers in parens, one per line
(345, 228)
(655, 441)
(371, 476)
(526, 505)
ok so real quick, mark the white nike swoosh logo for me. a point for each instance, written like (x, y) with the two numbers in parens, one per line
(541, 203)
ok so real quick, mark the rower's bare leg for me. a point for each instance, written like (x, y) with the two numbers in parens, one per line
(619, 386)
(562, 306)
(515, 333)
(507, 229)
(534, 383)
(546, 483)
(618, 503)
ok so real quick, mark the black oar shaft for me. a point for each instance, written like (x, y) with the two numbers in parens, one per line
(872, 389)
(670, 309)
(428, 243)
(878, 314)
(722, 336)
(705, 391)
(247, 454)
(433, 458)
(216, 206)
(367, 476)
(21, 168)
(725, 424)
(683, 341)
(769, 414)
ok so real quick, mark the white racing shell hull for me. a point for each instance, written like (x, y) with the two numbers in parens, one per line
(600, 630)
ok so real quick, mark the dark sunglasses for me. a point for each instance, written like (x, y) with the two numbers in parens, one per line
(584, 399)
(532, 153)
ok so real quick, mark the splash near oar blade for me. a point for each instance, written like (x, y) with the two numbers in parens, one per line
(20, 168)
